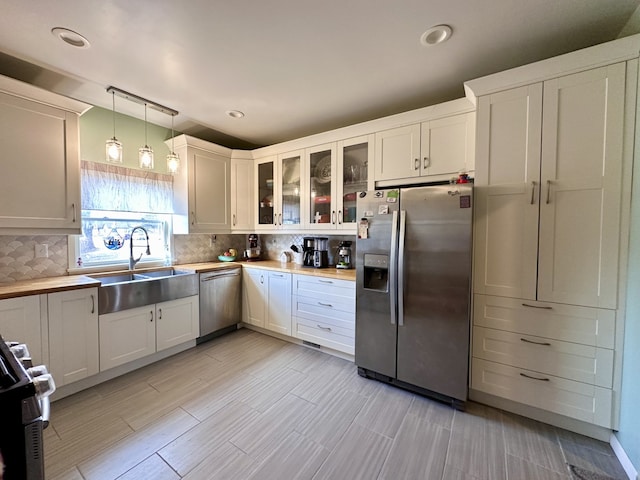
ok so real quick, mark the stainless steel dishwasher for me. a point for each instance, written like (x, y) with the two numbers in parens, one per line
(220, 302)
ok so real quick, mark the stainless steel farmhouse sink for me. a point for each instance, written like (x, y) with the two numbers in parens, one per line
(131, 290)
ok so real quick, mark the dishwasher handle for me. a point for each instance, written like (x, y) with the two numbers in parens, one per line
(212, 276)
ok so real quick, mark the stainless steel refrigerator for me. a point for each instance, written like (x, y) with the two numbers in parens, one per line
(413, 288)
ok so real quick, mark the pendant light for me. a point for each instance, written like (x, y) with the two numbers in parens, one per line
(173, 160)
(145, 154)
(114, 146)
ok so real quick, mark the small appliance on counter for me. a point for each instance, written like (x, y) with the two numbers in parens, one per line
(343, 255)
(308, 246)
(315, 252)
(321, 252)
(253, 253)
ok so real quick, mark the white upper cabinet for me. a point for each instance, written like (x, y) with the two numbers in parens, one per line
(437, 149)
(202, 187)
(40, 192)
(278, 183)
(548, 189)
(320, 187)
(355, 174)
(242, 194)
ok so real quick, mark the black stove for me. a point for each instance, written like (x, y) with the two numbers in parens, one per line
(24, 412)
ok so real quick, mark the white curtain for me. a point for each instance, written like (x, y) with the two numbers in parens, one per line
(111, 187)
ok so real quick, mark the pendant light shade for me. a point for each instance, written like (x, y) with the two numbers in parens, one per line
(173, 160)
(113, 148)
(145, 154)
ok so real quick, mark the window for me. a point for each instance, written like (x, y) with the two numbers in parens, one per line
(114, 201)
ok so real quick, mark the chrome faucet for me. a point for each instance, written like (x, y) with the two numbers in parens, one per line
(133, 261)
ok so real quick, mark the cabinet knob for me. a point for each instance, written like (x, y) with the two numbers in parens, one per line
(234, 219)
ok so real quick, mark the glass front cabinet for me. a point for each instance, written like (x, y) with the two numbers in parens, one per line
(355, 171)
(279, 192)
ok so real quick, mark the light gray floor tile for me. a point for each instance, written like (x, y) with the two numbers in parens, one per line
(226, 463)
(567, 437)
(409, 458)
(328, 423)
(187, 451)
(136, 447)
(271, 389)
(296, 458)
(436, 412)
(452, 473)
(518, 468)
(261, 436)
(593, 461)
(384, 412)
(533, 441)
(152, 468)
(358, 456)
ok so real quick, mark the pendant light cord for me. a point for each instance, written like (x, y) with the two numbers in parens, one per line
(172, 135)
(113, 98)
(145, 125)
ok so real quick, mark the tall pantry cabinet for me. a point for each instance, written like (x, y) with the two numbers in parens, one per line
(551, 178)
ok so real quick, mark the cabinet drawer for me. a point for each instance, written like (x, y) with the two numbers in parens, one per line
(325, 335)
(572, 361)
(584, 402)
(322, 311)
(310, 286)
(588, 326)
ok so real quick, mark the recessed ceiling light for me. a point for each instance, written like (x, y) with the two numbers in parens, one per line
(235, 113)
(70, 37)
(435, 35)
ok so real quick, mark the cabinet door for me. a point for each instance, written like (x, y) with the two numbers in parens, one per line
(178, 321)
(581, 181)
(126, 336)
(20, 322)
(507, 192)
(254, 296)
(279, 303)
(320, 165)
(43, 143)
(265, 173)
(73, 335)
(242, 194)
(398, 153)
(209, 191)
(355, 157)
(447, 145)
(290, 190)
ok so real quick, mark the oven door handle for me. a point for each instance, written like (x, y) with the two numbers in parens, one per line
(45, 410)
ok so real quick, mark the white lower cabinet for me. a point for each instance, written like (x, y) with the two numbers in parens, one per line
(278, 307)
(551, 356)
(20, 322)
(324, 312)
(73, 335)
(135, 333)
(254, 296)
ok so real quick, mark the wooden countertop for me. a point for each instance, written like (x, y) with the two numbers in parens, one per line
(46, 285)
(73, 282)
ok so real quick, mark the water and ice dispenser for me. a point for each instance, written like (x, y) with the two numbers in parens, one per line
(376, 272)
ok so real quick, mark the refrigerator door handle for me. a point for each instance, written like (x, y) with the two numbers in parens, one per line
(393, 263)
(403, 226)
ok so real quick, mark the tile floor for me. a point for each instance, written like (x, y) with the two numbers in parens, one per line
(248, 406)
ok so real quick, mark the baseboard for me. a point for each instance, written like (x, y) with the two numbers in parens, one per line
(630, 470)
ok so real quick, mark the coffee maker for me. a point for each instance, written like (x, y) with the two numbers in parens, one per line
(320, 252)
(343, 255)
(252, 253)
(308, 246)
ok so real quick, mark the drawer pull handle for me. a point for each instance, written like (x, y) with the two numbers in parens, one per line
(533, 192)
(545, 344)
(325, 304)
(537, 306)
(326, 329)
(325, 281)
(534, 378)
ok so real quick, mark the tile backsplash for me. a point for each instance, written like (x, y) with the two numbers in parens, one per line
(18, 253)
(18, 257)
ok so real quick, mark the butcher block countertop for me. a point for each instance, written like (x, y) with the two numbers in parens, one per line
(73, 282)
(46, 285)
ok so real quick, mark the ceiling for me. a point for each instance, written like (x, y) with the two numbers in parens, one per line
(294, 67)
